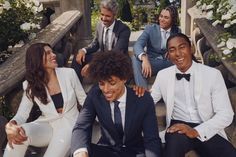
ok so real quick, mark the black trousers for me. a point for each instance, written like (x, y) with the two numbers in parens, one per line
(179, 144)
(106, 151)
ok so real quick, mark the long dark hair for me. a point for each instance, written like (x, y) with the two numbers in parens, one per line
(35, 73)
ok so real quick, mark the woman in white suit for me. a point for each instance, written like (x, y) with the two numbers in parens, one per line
(56, 92)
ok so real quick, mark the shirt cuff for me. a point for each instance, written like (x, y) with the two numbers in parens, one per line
(80, 150)
(201, 136)
(139, 56)
(84, 50)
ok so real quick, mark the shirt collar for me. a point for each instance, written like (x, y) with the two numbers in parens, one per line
(163, 30)
(189, 71)
(111, 26)
(123, 97)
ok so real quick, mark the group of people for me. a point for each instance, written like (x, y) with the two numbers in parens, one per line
(196, 98)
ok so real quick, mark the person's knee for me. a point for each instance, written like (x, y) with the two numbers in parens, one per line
(176, 140)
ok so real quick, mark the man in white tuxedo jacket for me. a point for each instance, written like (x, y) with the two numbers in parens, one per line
(197, 102)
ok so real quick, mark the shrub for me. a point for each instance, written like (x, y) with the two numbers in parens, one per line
(19, 20)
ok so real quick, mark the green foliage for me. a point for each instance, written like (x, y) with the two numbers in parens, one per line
(4, 109)
(13, 14)
(95, 16)
(140, 15)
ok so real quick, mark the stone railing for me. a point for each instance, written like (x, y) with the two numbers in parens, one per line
(59, 33)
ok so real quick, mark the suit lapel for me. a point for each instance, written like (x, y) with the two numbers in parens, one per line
(170, 93)
(100, 32)
(113, 36)
(106, 114)
(63, 87)
(158, 36)
(197, 82)
(130, 105)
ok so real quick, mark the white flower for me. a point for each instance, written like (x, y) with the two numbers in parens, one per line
(216, 22)
(36, 2)
(6, 5)
(1, 9)
(231, 43)
(233, 22)
(221, 44)
(209, 15)
(38, 26)
(40, 8)
(32, 25)
(34, 10)
(25, 26)
(227, 51)
(234, 7)
(198, 3)
(204, 6)
(208, 7)
(232, 11)
(218, 10)
(226, 16)
(32, 36)
(28, 5)
(227, 25)
(232, 2)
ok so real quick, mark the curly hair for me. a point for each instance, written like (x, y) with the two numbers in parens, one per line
(173, 14)
(35, 73)
(107, 64)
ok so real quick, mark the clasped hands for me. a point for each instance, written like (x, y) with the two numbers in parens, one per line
(15, 133)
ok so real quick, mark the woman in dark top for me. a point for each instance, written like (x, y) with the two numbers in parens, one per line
(56, 92)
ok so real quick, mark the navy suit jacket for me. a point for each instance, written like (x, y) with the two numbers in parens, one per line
(151, 38)
(120, 38)
(140, 131)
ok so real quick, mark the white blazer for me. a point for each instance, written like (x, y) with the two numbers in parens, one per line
(210, 95)
(72, 92)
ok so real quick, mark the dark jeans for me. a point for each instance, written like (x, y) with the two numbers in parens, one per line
(179, 144)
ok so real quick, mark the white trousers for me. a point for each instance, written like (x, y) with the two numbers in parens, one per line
(56, 135)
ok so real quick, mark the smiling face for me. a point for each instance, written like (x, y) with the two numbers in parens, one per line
(107, 16)
(165, 20)
(180, 53)
(49, 58)
(112, 88)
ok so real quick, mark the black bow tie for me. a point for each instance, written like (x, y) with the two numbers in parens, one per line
(179, 76)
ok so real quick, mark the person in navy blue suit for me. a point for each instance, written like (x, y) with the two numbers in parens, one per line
(128, 122)
(110, 34)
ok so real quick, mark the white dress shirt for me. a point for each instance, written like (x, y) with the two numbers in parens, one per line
(165, 34)
(185, 108)
(122, 106)
(111, 27)
(109, 34)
